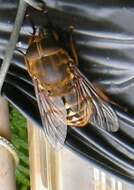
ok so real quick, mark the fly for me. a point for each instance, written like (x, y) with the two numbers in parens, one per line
(65, 96)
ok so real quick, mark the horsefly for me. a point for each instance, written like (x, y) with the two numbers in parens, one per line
(65, 96)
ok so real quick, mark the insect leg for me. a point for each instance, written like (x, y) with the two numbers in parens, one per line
(34, 28)
(72, 46)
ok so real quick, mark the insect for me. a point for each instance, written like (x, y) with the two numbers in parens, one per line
(65, 96)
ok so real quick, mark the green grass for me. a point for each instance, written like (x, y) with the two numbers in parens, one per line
(20, 141)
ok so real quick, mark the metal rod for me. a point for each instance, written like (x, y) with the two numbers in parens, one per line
(15, 35)
(12, 42)
(35, 4)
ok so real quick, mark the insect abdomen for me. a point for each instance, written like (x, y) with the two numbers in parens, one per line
(76, 114)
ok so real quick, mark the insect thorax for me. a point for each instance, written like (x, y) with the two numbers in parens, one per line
(52, 70)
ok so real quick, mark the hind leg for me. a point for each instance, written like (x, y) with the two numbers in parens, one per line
(72, 46)
(34, 29)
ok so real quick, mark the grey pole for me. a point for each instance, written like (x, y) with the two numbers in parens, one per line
(15, 35)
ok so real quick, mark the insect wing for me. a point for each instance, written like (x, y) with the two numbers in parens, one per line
(53, 115)
(103, 115)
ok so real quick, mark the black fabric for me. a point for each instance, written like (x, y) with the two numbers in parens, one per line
(104, 37)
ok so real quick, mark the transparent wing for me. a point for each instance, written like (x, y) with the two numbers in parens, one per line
(103, 115)
(84, 106)
(53, 115)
